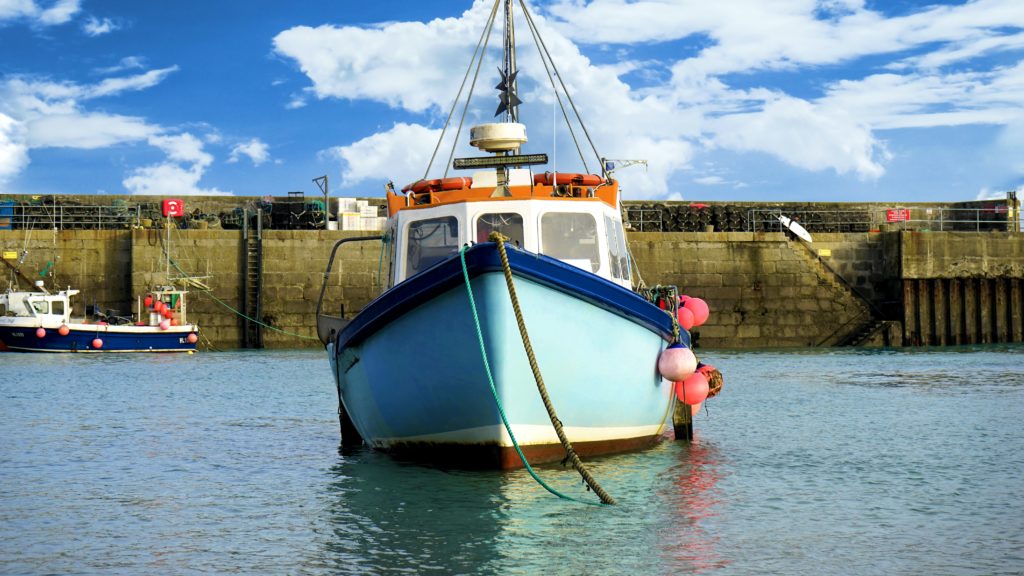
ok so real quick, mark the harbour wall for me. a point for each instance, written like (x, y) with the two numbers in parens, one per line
(765, 289)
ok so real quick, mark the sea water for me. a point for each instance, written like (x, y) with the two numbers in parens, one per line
(843, 462)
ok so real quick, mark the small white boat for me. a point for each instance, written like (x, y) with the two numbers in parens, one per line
(41, 321)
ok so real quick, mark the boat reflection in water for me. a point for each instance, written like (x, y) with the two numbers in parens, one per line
(385, 515)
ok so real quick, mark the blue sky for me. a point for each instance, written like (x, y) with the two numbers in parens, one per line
(827, 100)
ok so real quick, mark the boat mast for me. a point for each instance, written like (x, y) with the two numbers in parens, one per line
(509, 86)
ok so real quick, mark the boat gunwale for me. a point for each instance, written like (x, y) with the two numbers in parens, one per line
(483, 258)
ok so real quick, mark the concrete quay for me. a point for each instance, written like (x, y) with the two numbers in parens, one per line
(765, 289)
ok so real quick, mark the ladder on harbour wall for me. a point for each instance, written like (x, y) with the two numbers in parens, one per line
(252, 279)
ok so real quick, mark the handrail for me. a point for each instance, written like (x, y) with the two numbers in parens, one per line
(837, 330)
(328, 326)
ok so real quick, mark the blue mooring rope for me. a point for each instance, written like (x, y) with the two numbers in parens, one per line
(494, 391)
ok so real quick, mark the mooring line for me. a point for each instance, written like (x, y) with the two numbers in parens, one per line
(605, 499)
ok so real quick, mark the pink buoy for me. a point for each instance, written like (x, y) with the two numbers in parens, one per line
(63, 330)
(97, 343)
(165, 324)
(685, 318)
(700, 310)
(676, 363)
(192, 338)
(40, 332)
(693, 390)
(148, 301)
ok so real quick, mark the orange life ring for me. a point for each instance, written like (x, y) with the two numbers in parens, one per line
(549, 179)
(438, 185)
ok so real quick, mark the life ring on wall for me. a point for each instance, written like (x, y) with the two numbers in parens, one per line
(550, 179)
(438, 185)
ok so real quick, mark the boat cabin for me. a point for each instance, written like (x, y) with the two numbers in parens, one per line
(43, 306)
(579, 225)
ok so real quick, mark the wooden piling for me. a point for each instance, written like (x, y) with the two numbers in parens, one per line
(971, 315)
(911, 331)
(1016, 306)
(924, 311)
(682, 421)
(985, 315)
(1002, 314)
(956, 312)
(940, 308)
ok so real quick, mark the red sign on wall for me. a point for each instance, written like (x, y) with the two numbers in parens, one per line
(900, 215)
(174, 207)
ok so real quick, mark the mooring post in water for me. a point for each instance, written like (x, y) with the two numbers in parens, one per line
(682, 421)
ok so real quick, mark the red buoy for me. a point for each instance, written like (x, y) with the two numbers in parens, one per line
(63, 330)
(97, 343)
(699, 308)
(192, 338)
(685, 317)
(40, 332)
(148, 301)
(693, 390)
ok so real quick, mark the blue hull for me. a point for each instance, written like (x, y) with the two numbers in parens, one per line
(115, 339)
(411, 375)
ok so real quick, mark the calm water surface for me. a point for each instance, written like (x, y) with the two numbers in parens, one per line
(846, 462)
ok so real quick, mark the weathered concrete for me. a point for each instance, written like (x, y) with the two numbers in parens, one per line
(764, 289)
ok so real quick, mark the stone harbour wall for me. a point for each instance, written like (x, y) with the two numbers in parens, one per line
(765, 289)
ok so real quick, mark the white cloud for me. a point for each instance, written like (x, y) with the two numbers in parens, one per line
(180, 175)
(126, 63)
(94, 27)
(59, 12)
(411, 65)
(86, 130)
(416, 67)
(112, 86)
(169, 179)
(255, 149)
(13, 150)
(801, 134)
(709, 180)
(399, 154)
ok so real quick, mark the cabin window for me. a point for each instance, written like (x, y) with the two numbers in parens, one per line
(41, 307)
(570, 237)
(3, 309)
(508, 223)
(617, 255)
(429, 242)
(57, 307)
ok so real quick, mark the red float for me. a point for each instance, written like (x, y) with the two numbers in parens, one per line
(693, 390)
(97, 343)
(63, 330)
(699, 308)
(40, 332)
(192, 338)
(685, 318)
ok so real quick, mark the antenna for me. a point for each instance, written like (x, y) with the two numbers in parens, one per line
(613, 164)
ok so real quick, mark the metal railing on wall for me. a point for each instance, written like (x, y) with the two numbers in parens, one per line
(939, 219)
(68, 217)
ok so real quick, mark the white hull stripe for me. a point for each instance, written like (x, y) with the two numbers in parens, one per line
(527, 435)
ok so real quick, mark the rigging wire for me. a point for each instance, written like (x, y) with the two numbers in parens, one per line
(462, 86)
(540, 39)
(469, 96)
(554, 88)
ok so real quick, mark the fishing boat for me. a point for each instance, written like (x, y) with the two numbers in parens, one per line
(42, 321)
(509, 331)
